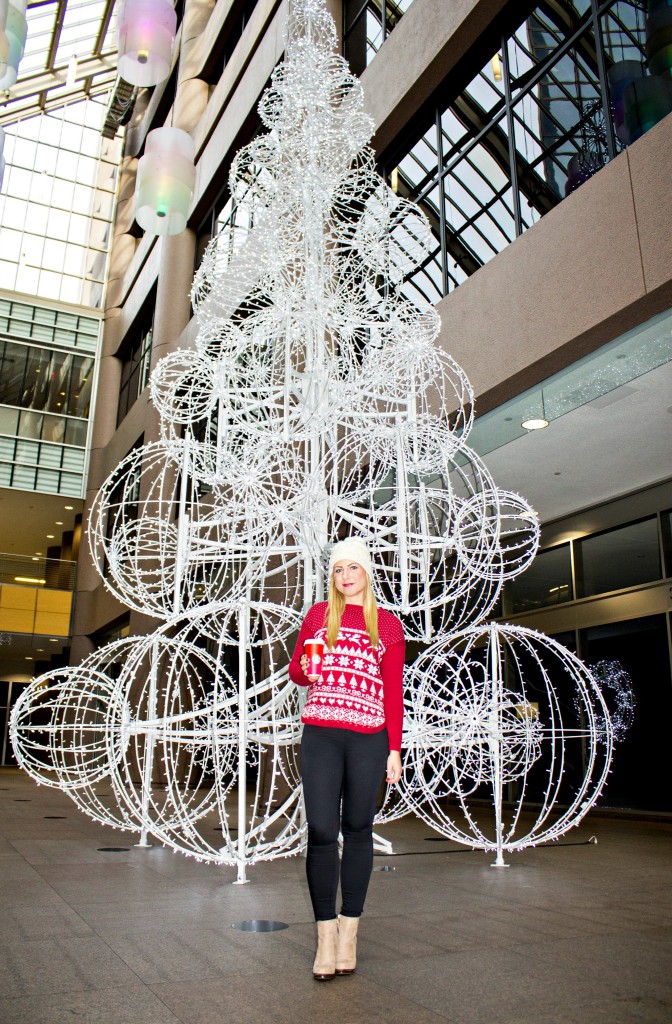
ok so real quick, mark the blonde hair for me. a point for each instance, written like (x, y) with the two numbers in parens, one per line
(335, 606)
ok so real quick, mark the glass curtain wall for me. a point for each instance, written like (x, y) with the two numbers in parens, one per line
(542, 114)
(57, 204)
(366, 26)
(47, 370)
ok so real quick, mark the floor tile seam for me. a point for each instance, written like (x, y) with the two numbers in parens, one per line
(17, 1000)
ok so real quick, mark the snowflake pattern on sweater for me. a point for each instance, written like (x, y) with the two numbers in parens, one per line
(351, 691)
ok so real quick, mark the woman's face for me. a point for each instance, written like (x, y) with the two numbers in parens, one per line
(350, 580)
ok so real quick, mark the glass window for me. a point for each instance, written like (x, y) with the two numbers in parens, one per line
(524, 132)
(547, 582)
(666, 523)
(625, 557)
(45, 185)
(368, 23)
(136, 355)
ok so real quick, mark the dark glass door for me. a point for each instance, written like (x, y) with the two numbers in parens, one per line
(641, 764)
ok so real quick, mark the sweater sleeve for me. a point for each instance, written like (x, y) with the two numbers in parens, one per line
(306, 632)
(392, 672)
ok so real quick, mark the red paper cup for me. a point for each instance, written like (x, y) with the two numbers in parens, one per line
(314, 649)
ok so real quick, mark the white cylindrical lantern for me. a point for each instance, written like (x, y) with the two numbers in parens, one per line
(4, 42)
(146, 33)
(2, 158)
(165, 182)
(14, 42)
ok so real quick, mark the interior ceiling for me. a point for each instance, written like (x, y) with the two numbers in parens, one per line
(71, 53)
(619, 443)
(26, 518)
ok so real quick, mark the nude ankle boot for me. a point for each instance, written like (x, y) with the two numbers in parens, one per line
(324, 967)
(346, 950)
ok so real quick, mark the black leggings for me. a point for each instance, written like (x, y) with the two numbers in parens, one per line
(340, 764)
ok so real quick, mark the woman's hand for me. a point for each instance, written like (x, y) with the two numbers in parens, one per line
(394, 766)
(304, 668)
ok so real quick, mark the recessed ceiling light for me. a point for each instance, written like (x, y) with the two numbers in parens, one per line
(534, 424)
(50, 536)
(38, 552)
(29, 657)
(59, 522)
(69, 507)
(53, 640)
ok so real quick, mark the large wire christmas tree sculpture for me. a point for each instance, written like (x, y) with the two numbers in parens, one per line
(315, 404)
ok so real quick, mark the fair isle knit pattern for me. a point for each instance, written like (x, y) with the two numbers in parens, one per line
(350, 691)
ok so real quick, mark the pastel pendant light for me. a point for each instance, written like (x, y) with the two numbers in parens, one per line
(2, 158)
(4, 42)
(647, 101)
(620, 76)
(145, 35)
(14, 42)
(659, 36)
(165, 182)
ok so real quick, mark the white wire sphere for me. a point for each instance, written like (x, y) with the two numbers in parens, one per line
(408, 520)
(83, 710)
(133, 531)
(182, 725)
(183, 687)
(495, 706)
(62, 727)
(258, 480)
(497, 533)
(310, 25)
(392, 235)
(183, 387)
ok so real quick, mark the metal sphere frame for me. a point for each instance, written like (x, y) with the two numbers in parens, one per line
(315, 403)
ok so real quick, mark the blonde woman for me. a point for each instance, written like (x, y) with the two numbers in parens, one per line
(352, 732)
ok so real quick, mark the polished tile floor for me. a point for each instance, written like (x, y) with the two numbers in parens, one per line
(579, 932)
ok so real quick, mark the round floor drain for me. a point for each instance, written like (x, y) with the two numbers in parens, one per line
(436, 839)
(113, 849)
(55, 817)
(386, 867)
(22, 800)
(260, 926)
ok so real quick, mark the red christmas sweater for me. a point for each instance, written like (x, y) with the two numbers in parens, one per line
(361, 687)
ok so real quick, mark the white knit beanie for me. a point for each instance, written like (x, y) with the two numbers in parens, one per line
(353, 549)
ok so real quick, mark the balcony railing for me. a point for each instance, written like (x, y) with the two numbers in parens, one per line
(43, 573)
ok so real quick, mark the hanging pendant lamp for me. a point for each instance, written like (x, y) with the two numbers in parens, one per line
(647, 101)
(14, 42)
(2, 158)
(659, 36)
(620, 76)
(165, 182)
(145, 35)
(4, 42)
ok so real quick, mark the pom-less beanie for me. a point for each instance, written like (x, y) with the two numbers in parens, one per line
(352, 549)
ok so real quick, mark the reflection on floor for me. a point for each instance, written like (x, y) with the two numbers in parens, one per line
(574, 933)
